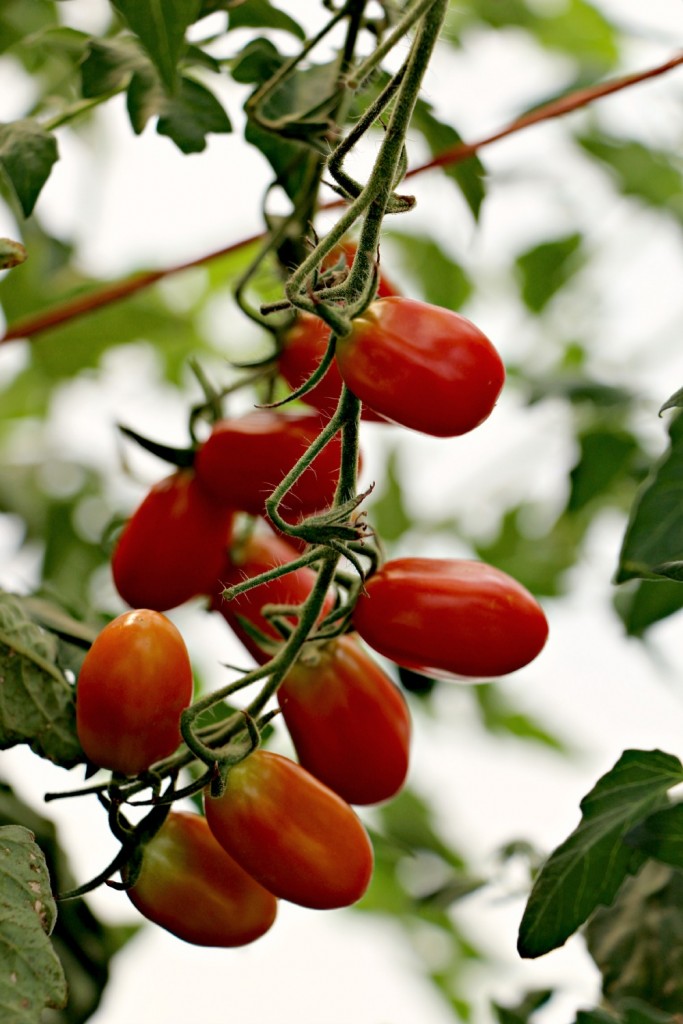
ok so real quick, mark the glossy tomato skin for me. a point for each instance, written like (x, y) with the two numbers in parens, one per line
(304, 345)
(244, 459)
(173, 546)
(450, 618)
(349, 723)
(421, 366)
(191, 887)
(262, 551)
(290, 832)
(134, 682)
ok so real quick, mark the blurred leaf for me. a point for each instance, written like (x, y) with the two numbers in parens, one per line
(675, 402)
(605, 455)
(499, 716)
(589, 867)
(642, 603)
(387, 511)
(638, 946)
(257, 62)
(546, 268)
(537, 560)
(442, 281)
(578, 390)
(642, 171)
(661, 835)
(36, 701)
(108, 65)
(408, 820)
(32, 976)
(287, 157)
(524, 1010)
(27, 155)
(301, 106)
(262, 14)
(160, 26)
(468, 175)
(189, 116)
(83, 943)
(654, 533)
(144, 98)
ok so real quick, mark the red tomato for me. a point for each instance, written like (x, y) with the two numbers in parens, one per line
(304, 345)
(263, 551)
(294, 835)
(450, 617)
(421, 366)
(191, 887)
(349, 724)
(173, 546)
(133, 685)
(244, 460)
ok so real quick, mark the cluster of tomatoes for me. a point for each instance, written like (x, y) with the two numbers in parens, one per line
(285, 829)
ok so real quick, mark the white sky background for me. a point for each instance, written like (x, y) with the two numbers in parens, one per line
(149, 205)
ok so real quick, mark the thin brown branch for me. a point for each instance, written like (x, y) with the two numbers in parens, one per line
(29, 326)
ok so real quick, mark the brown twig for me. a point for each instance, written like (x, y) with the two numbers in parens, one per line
(29, 326)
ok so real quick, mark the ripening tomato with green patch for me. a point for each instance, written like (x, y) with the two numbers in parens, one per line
(173, 546)
(260, 551)
(349, 723)
(244, 459)
(421, 366)
(450, 618)
(191, 887)
(133, 685)
(300, 840)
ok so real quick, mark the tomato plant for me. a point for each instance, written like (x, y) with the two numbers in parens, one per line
(348, 721)
(293, 834)
(450, 617)
(261, 551)
(173, 546)
(134, 682)
(191, 887)
(421, 366)
(244, 459)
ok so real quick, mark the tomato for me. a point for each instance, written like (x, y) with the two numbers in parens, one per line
(294, 835)
(261, 551)
(173, 546)
(421, 366)
(349, 723)
(450, 617)
(191, 887)
(304, 345)
(133, 685)
(245, 458)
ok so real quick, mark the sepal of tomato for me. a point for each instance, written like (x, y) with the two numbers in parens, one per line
(421, 366)
(244, 459)
(261, 551)
(349, 723)
(450, 618)
(134, 682)
(190, 886)
(293, 834)
(173, 546)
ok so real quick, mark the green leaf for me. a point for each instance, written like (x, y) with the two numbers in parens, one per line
(160, 26)
(642, 603)
(189, 116)
(499, 716)
(605, 455)
(525, 1009)
(442, 281)
(637, 945)
(108, 65)
(408, 821)
(654, 534)
(661, 835)
(27, 154)
(32, 977)
(257, 62)
(469, 175)
(675, 402)
(650, 174)
(544, 269)
(261, 14)
(36, 701)
(588, 869)
(388, 513)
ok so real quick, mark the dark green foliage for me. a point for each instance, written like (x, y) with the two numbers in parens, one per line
(546, 268)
